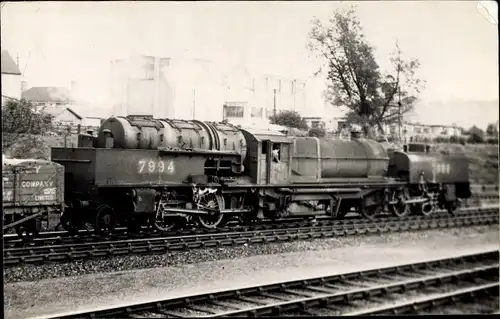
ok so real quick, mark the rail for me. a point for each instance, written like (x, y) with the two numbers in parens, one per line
(397, 289)
(87, 236)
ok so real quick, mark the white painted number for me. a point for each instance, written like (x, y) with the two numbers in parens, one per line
(440, 169)
(49, 191)
(151, 166)
(142, 163)
(154, 166)
(161, 166)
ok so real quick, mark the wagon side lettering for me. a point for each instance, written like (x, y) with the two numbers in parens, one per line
(49, 191)
(28, 184)
(37, 169)
(44, 198)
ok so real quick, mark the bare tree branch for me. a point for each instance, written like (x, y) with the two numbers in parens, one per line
(353, 78)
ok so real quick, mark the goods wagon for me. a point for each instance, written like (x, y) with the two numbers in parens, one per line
(31, 189)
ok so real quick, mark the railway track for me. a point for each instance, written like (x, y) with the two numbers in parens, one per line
(416, 288)
(488, 197)
(78, 251)
(61, 238)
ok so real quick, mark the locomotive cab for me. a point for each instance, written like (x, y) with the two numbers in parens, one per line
(268, 157)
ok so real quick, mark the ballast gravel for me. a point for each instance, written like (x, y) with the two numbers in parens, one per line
(201, 271)
(176, 258)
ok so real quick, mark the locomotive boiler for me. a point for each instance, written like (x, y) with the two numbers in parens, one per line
(148, 133)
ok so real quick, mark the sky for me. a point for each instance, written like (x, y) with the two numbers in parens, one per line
(457, 45)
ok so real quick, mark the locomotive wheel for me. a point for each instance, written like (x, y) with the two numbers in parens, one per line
(105, 220)
(162, 223)
(212, 203)
(369, 211)
(29, 229)
(400, 209)
(427, 209)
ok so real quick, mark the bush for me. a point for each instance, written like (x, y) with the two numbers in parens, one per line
(476, 135)
(492, 140)
(22, 128)
(290, 119)
(317, 132)
(18, 117)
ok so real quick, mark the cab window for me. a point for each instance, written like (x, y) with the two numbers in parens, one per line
(276, 153)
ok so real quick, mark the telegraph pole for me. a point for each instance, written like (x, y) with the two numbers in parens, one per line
(274, 103)
(399, 115)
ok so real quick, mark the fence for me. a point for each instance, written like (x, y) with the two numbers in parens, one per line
(68, 129)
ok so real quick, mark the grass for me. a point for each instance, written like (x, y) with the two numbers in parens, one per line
(483, 161)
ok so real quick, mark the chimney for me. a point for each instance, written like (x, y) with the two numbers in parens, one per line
(24, 86)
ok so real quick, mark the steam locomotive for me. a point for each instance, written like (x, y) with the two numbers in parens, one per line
(168, 173)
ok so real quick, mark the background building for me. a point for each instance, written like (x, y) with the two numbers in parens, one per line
(11, 78)
(203, 89)
(66, 105)
(166, 88)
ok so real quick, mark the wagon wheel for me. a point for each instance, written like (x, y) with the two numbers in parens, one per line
(400, 209)
(211, 203)
(105, 220)
(30, 228)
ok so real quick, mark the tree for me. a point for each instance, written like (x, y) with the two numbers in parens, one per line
(353, 77)
(476, 135)
(289, 119)
(491, 130)
(22, 126)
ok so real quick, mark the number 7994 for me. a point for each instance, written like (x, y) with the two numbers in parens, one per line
(155, 166)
